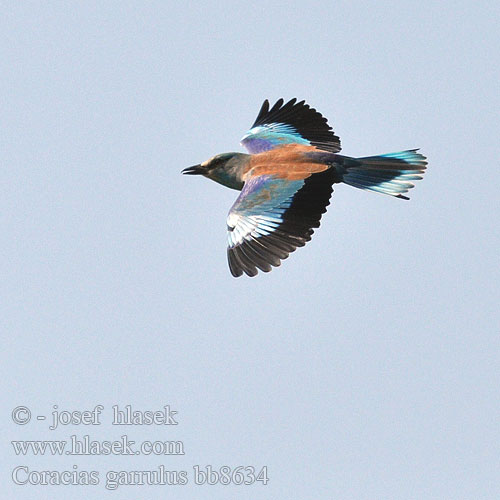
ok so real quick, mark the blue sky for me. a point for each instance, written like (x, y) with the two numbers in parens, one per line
(367, 365)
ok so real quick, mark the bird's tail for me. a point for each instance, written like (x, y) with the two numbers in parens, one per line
(391, 174)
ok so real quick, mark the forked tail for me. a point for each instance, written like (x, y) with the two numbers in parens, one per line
(391, 174)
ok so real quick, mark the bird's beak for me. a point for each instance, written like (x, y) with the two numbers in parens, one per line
(194, 170)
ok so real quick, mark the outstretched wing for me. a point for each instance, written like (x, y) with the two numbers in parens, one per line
(272, 217)
(293, 122)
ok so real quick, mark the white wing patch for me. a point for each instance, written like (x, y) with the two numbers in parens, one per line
(251, 227)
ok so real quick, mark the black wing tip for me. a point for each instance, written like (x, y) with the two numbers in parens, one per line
(248, 262)
(264, 109)
(280, 104)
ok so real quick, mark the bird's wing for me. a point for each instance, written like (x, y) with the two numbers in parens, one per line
(272, 217)
(290, 123)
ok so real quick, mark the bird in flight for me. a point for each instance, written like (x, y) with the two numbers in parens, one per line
(286, 182)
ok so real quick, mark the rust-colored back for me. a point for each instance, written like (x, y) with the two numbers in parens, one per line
(287, 162)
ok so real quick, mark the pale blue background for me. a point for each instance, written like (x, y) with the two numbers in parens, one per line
(367, 366)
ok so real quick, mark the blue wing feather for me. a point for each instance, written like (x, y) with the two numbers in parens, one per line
(261, 194)
(263, 138)
(272, 217)
(290, 123)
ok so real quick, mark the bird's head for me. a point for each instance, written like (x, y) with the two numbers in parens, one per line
(210, 167)
(225, 168)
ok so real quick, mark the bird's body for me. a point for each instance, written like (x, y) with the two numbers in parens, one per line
(291, 162)
(286, 182)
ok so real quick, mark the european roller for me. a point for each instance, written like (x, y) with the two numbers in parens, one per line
(286, 181)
